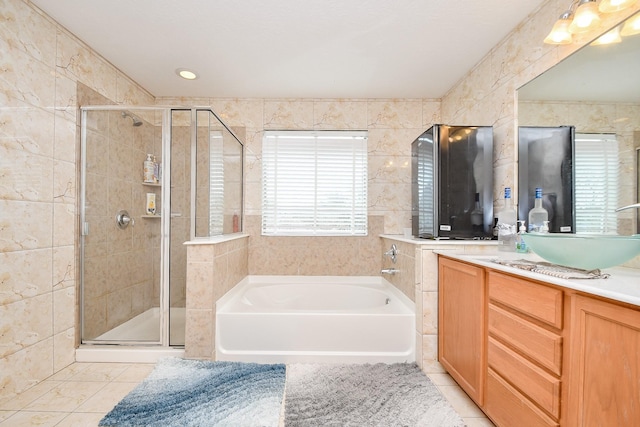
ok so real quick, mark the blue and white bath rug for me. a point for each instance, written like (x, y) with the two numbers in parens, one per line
(202, 393)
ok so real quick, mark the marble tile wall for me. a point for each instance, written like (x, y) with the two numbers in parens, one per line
(405, 277)
(487, 94)
(392, 124)
(213, 268)
(41, 65)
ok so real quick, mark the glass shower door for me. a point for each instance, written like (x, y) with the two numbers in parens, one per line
(120, 240)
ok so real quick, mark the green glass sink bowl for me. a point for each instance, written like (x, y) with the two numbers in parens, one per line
(585, 251)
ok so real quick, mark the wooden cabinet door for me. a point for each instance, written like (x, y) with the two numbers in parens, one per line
(462, 325)
(604, 372)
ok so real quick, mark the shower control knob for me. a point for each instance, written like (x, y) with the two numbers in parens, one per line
(123, 220)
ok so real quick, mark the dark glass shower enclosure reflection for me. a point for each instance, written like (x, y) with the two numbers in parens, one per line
(452, 168)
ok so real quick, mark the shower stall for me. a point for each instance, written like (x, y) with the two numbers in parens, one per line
(152, 178)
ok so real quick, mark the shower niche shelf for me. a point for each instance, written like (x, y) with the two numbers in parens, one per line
(152, 184)
(173, 215)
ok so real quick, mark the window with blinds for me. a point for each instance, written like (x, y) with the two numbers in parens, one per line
(596, 183)
(314, 183)
(216, 183)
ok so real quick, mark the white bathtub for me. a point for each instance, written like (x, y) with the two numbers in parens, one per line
(317, 319)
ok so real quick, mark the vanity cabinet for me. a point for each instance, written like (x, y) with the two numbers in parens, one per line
(462, 331)
(535, 354)
(525, 321)
(604, 380)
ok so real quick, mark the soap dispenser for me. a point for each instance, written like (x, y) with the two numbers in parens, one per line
(521, 246)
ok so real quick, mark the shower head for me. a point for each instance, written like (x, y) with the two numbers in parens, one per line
(136, 121)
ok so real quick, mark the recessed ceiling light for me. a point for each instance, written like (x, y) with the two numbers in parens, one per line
(186, 74)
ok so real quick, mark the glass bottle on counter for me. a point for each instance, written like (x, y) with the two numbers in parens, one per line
(538, 215)
(507, 224)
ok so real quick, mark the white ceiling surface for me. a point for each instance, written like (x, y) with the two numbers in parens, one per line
(293, 48)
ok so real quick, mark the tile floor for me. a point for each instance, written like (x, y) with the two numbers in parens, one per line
(81, 394)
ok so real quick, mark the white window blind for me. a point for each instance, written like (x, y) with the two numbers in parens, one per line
(216, 183)
(314, 183)
(596, 183)
(426, 179)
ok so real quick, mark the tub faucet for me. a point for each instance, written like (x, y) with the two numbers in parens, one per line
(390, 271)
(636, 206)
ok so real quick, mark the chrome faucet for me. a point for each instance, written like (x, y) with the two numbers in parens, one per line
(393, 253)
(390, 271)
(635, 205)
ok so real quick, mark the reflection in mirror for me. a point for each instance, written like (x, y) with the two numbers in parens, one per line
(596, 90)
(218, 177)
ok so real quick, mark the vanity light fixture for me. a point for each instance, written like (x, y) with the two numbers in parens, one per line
(610, 37)
(560, 33)
(608, 6)
(631, 26)
(186, 74)
(584, 15)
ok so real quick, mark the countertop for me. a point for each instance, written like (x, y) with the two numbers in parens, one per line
(623, 284)
(433, 242)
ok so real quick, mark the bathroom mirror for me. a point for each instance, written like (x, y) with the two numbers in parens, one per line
(596, 90)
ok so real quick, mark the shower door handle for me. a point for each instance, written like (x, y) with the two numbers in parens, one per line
(123, 220)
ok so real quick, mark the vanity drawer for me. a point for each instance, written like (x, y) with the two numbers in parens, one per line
(541, 345)
(540, 386)
(507, 407)
(536, 300)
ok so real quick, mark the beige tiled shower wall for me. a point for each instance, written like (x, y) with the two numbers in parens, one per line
(41, 65)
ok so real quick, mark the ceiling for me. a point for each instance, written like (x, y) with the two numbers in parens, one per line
(293, 48)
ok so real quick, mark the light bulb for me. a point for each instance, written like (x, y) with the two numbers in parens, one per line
(186, 74)
(608, 6)
(560, 33)
(631, 26)
(610, 37)
(585, 18)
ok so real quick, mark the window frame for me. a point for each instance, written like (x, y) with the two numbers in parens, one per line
(301, 171)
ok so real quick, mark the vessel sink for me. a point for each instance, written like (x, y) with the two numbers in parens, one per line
(585, 251)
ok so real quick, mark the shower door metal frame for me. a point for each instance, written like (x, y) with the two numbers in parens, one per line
(165, 222)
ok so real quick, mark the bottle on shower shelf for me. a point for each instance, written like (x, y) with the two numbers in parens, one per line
(148, 168)
(156, 170)
(236, 223)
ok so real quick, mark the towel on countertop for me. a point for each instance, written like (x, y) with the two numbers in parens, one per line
(554, 270)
